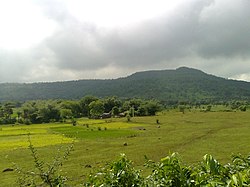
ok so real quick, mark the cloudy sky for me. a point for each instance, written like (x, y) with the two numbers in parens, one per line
(53, 40)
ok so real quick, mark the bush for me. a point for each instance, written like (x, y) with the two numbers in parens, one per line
(119, 173)
(171, 172)
(43, 174)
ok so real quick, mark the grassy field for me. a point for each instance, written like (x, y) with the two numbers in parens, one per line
(192, 134)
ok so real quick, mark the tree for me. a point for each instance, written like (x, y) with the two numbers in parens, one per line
(48, 113)
(110, 103)
(209, 107)
(243, 108)
(132, 111)
(65, 114)
(84, 104)
(115, 111)
(142, 111)
(74, 106)
(5, 113)
(96, 108)
(152, 107)
(8, 111)
(182, 108)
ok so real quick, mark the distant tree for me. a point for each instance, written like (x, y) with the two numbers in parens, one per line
(209, 107)
(30, 112)
(65, 114)
(135, 103)
(126, 106)
(41, 111)
(8, 111)
(74, 106)
(132, 111)
(142, 111)
(152, 107)
(110, 103)
(182, 108)
(19, 113)
(243, 108)
(48, 113)
(96, 108)
(84, 104)
(1, 112)
(128, 117)
(115, 111)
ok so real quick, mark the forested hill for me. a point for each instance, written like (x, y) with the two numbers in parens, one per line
(182, 84)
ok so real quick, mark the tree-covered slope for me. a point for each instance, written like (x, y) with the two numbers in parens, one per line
(167, 85)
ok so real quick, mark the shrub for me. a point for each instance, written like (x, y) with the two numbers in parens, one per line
(168, 172)
(43, 174)
(171, 172)
(119, 173)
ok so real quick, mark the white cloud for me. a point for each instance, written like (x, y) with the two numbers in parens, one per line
(22, 24)
(113, 13)
(243, 77)
(48, 40)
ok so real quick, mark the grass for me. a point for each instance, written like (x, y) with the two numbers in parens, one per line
(192, 134)
(15, 137)
(93, 133)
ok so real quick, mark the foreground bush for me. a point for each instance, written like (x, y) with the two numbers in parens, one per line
(171, 172)
(119, 173)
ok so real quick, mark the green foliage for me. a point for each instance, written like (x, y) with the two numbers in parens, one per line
(84, 103)
(209, 107)
(73, 108)
(96, 108)
(43, 174)
(40, 111)
(128, 117)
(169, 86)
(45, 111)
(168, 172)
(182, 108)
(171, 172)
(120, 173)
(152, 106)
(115, 111)
(6, 112)
(110, 103)
(243, 108)
(65, 114)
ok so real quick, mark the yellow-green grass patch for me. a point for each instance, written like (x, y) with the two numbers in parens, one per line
(39, 140)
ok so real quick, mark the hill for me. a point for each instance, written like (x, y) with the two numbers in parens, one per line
(184, 83)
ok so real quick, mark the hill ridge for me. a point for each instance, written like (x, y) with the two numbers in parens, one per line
(183, 83)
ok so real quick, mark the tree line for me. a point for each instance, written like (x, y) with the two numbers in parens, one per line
(45, 111)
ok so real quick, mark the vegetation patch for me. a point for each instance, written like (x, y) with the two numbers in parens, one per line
(15, 142)
(118, 125)
(14, 137)
(93, 132)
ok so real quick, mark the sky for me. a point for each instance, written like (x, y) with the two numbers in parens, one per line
(57, 40)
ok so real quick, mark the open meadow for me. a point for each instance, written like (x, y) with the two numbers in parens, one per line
(97, 142)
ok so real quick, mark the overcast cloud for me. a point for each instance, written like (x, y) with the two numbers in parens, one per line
(52, 40)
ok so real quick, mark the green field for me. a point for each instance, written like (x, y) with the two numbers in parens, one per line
(192, 134)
